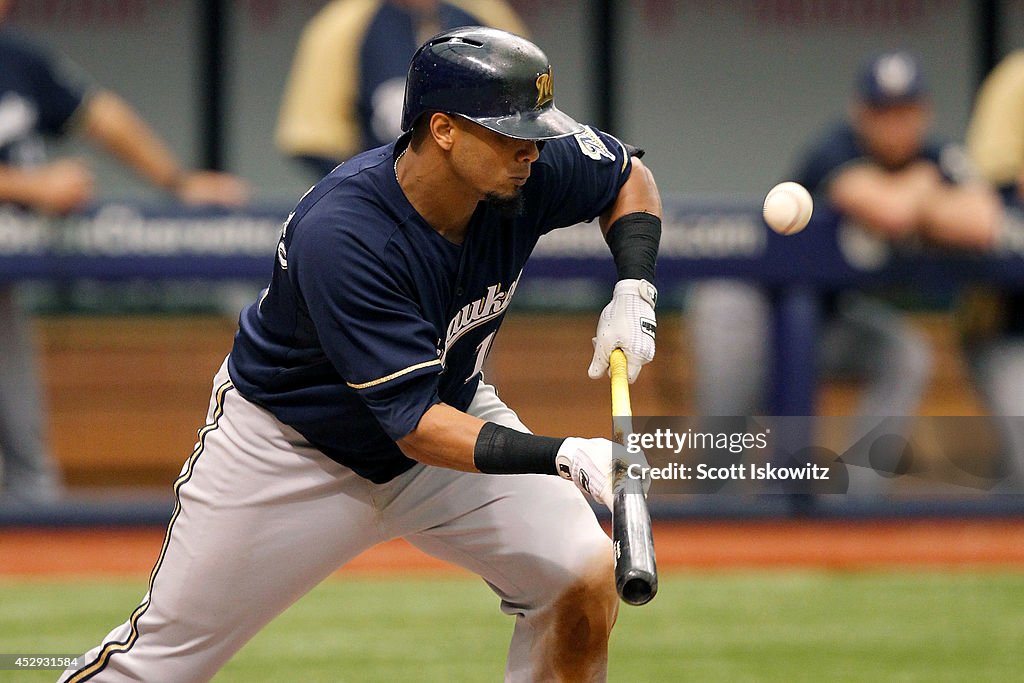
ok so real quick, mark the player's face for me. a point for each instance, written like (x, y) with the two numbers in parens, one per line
(894, 135)
(494, 165)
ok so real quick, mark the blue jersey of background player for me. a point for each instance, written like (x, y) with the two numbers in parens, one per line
(36, 99)
(372, 316)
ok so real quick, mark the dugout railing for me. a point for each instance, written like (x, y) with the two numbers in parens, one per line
(717, 237)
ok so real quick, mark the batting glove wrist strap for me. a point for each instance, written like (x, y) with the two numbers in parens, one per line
(627, 323)
(588, 464)
(500, 450)
(633, 240)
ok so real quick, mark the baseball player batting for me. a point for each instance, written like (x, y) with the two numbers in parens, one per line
(352, 410)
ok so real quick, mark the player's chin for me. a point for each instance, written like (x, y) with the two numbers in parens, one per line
(508, 203)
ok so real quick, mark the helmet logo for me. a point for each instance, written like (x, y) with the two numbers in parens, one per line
(545, 89)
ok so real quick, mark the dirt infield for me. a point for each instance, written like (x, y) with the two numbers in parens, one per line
(681, 545)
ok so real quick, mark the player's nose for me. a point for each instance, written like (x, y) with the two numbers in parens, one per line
(528, 151)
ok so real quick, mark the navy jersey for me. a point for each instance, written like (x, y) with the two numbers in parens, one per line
(36, 99)
(840, 146)
(372, 317)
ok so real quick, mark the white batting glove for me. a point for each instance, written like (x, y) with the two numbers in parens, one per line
(627, 323)
(589, 464)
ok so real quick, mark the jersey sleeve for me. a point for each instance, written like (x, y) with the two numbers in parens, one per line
(58, 94)
(582, 177)
(367, 322)
(995, 135)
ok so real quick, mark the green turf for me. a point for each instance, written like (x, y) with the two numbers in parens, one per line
(765, 626)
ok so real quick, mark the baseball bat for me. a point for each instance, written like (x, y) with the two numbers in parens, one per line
(636, 572)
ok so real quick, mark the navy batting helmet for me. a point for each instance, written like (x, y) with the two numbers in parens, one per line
(497, 79)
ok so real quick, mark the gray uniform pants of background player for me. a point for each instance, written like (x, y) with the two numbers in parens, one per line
(27, 473)
(262, 517)
(998, 367)
(729, 326)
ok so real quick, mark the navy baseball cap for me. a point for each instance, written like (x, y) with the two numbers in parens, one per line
(891, 78)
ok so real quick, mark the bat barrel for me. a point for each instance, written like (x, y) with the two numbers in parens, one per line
(636, 573)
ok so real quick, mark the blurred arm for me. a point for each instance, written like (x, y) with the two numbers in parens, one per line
(113, 124)
(56, 188)
(917, 201)
(963, 216)
(886, 203)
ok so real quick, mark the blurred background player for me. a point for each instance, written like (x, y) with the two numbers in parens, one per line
(883, 172)
(993, 319)
(347, 82)
(39, 99)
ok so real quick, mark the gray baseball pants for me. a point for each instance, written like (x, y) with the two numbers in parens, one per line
(261, 517)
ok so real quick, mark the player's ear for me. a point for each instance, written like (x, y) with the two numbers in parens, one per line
(442, 129)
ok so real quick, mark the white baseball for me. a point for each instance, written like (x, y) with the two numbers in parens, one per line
(787, 208)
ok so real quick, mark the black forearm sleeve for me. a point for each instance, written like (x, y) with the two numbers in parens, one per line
(633, 240)
(500, 450)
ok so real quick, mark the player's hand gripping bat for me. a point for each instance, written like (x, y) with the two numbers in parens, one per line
(636, 573)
